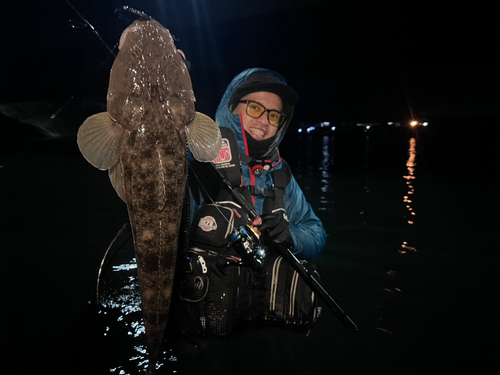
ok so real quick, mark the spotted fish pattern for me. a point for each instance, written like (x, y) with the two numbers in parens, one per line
(142, 141)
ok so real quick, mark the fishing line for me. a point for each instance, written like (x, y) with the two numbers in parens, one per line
(244, 239)
(104, 261)
(111, 50)
(102, 63)
(186, 208)
(134, 11)
(209, 197)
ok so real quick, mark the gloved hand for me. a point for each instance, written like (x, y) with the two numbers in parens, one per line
(275, 229)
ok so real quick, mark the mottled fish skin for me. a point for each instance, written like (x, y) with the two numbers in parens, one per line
(141, 140)
(149, 80)
(151, 96)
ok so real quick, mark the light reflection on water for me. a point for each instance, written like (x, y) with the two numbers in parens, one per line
(410, 178)
(358, 198)
(361, 182)
(326, 161)
(120, 308)
(355, 192)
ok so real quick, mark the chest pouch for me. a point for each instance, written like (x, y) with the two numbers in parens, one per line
(208, 293)
(209, 272)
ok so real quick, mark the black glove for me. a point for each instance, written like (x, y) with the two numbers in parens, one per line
(275, 230)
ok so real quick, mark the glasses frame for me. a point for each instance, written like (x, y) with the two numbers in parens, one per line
(282, 115)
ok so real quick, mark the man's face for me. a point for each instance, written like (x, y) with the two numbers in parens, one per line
(259, 128)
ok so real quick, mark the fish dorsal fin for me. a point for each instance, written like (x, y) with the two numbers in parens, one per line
(99, 140)
(117, 180)
(204, 138)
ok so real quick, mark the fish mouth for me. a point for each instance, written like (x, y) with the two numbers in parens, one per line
(258, 133)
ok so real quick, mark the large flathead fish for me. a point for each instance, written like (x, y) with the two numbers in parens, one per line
(141, 140)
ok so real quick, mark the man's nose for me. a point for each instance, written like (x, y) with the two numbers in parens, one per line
(263, 119)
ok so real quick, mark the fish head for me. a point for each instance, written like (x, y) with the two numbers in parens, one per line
(149, 76)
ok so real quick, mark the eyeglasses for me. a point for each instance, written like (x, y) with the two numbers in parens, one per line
(256, 110)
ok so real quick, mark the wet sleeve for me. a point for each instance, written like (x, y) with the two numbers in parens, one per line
(306, 228)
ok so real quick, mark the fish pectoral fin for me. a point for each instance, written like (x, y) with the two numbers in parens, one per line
(204, 138)
(117, 180)
(99, 140)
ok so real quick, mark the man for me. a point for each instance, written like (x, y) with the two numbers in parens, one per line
(258, 107)
(219, 293)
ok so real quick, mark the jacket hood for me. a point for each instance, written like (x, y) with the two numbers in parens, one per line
(225, 118)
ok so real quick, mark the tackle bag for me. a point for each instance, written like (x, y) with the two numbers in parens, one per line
(210, 272)
(278, 295)
(220, 294)
(208, 293)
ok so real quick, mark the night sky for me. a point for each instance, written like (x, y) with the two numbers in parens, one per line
(347, 60)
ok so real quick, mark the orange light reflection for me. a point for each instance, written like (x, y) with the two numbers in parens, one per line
(411, 164)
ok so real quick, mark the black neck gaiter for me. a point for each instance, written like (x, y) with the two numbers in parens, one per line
(258, 148)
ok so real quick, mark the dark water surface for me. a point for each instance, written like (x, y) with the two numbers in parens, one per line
(411, 256)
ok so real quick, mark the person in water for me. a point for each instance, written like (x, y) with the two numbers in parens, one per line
(258, 107)
(220, 294)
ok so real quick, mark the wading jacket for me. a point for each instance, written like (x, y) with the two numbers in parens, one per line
(305, 227)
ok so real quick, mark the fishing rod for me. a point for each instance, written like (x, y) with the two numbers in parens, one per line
(315, 285)
(112, 52)
(284, 250)
(118, 13)
(92, 28)
(244, 239)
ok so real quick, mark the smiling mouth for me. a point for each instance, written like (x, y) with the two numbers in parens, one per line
(257, 133)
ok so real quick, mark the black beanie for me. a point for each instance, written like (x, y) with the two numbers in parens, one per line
(265, 81)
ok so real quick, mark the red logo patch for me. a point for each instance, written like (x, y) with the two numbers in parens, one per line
(225, 153)
(207, 223)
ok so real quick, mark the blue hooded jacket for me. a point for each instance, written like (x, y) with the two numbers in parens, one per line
(305, 227)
